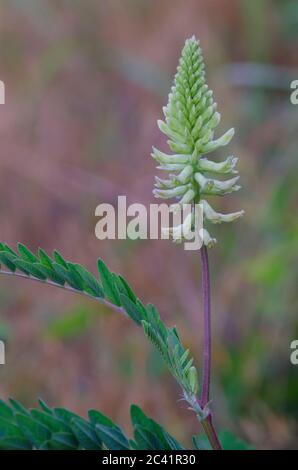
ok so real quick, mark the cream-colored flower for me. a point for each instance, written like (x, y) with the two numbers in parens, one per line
(191, 118)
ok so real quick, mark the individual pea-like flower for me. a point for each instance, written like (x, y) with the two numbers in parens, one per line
(191, 118)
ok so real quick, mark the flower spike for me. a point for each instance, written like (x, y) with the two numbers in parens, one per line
(191, 118)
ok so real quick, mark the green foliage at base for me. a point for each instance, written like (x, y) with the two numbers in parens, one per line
(60, 429)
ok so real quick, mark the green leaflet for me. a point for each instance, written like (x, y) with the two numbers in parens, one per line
(30, 268)
(129, 291)
(71, 276)
(167, 342)
(44, 258)
(5, 248)
(131, 309)
(86, 435)
(44, 407)
(62, 441)
(112, 437)
(149, 434)
(65, 415)
(7, 260)
(50, 274)
(59, 259)
(91, 284)
(33, 430)
(15, 443)
(109, 433)
(108, 283)
(49, 421)
(18, 407)
(5, 411)
(9, 428)
(157, 341)
(26, 254)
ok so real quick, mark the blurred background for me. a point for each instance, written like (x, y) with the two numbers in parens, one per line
(85, 84)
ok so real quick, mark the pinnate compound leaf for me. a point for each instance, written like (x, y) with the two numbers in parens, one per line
(116, 290)
(108, 283)
(61, 429)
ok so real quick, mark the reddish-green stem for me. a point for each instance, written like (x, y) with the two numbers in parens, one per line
(211, 433)
(205, 396)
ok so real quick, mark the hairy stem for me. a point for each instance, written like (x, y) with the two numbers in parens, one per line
(205, 396)
(211, 433)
